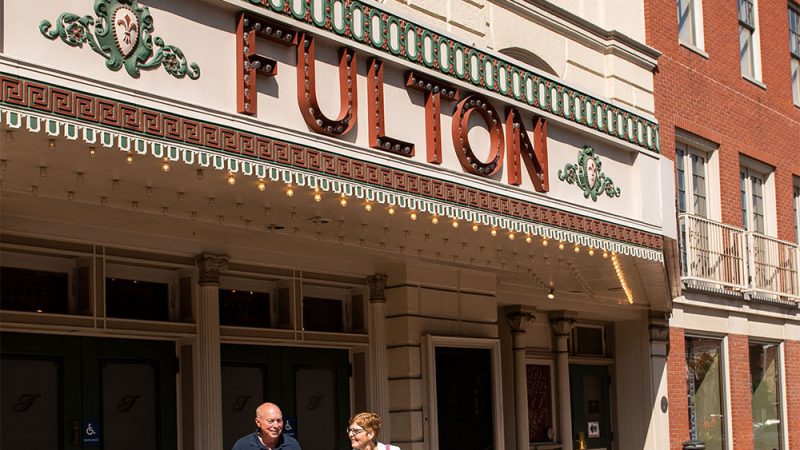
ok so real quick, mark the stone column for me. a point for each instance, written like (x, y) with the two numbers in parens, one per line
(519, 317)
(658, 434)
(208, 382)
(562, 323)
(379, 363)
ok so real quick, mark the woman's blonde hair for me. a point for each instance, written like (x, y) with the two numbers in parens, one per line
(367, 420)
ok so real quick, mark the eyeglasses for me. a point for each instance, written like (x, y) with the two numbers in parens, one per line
(354, 430)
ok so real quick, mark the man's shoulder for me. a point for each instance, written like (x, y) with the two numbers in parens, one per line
(246, 442)
(289, 443)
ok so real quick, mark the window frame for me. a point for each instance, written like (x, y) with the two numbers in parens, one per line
(794, 51)
(553, 394)
(119, 268)
(708, 150)
(429, 413)
(698, 40)
(751, 27)
(796, 204)
(781, 395)
(767, 174)
(724, 383)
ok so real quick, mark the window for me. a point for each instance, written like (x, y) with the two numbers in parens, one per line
(794, 46)
(748, 51)
(796, 192)
(692, 167)
(752, 196)
(765, 383)
(541, 402)
(705, 391)
(690, 23)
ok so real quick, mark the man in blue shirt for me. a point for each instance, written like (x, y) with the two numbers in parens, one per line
(269, 433)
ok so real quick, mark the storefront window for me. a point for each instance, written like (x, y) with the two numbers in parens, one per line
(540, 403)
(765, 381)
(704, 380)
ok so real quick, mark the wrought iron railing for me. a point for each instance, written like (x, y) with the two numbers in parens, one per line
(712, 254)
(772, 266)
(721, 257)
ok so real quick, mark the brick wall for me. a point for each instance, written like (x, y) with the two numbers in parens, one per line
(792, 371)
(676, 389)
(709, 97)
(740, 391)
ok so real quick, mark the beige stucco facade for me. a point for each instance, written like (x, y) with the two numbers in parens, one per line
(99, 193)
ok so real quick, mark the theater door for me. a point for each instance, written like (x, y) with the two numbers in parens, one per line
(591, 409)
(311, 386)
(68, 393)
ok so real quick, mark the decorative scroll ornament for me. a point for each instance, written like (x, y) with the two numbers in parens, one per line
(588, 176)
(121, 33)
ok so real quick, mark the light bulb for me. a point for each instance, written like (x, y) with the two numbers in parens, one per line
(129, 158)
(561, 245)
(475, 226)
(528, 239)
(317, 195)
(343, 201)
(493, 231)
(413, 215)
(368, 206)
(289, 191)
(455, 223)
(165, 166)
(551, 294)
(435, 219)
(545, 242)
(231, 179)
(605, 254)
(591, 252)
(51, 144)
(391, 210)
(262, 185)
(91, 152)
(577, 249)
(512, 236)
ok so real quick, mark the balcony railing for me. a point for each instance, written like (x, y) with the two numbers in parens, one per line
(720, 257)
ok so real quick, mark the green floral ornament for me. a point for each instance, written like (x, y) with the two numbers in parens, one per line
(587, 175)
(122, 34)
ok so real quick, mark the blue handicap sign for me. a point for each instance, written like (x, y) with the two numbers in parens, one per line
(290, 426)
(91, 433)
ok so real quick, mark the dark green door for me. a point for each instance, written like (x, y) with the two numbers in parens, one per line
(69, 393)
(311, 386)
(591, 409)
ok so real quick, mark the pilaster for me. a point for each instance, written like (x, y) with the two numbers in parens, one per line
(519, 317)
(379, 362)
(562, 323)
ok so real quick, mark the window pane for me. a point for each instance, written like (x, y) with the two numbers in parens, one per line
(796, 192)
(540, 404)
(758, 204)
(765, 382)
(746, 51)
(699, 185)
(743, 192)
(796, 80)
(134, 299)
(244, 308)
(704, 382)
(34, 290)
(686, 27)
(680, 157)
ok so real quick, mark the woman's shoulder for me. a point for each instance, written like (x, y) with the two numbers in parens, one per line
(382, 446)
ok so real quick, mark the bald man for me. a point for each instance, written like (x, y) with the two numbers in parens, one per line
(269, 432)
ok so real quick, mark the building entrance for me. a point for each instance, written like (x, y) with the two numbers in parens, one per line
(591, 409)
(311, 386)
(69, 393)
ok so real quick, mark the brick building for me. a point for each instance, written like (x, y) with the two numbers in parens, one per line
(727, 92)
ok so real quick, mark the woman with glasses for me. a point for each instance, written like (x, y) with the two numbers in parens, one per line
(363, 432)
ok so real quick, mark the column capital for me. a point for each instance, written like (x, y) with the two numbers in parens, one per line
(562, 322)
(658, 326)
(519, 317)
(209, 267)
(377, 286)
